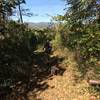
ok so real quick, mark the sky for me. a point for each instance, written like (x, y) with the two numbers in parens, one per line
(43, 9)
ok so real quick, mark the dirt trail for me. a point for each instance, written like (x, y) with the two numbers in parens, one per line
(65, 87)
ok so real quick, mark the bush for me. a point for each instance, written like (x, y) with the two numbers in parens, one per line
(57, 42)
(87, 41)
(15, 52)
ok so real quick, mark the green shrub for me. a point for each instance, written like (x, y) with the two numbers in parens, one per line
(57, 42)
(88, 42)
(15, 52)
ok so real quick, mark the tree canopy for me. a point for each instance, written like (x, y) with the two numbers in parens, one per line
(7, 6)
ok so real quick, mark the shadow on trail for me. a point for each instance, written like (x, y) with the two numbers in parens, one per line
(40, 70)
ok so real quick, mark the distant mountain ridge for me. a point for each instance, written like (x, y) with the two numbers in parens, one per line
(40, 25)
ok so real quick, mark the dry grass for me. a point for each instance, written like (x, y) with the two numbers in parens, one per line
(70, 86)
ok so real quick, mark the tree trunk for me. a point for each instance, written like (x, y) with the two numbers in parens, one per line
(20, 13)
(2, 16)
(98, 12)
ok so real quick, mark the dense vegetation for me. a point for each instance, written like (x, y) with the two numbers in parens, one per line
(84, 25)
(78, 30)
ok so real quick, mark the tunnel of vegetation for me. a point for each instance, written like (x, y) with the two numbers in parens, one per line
(78, 30)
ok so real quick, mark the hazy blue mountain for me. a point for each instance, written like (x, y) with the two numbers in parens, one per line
(40, 25)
